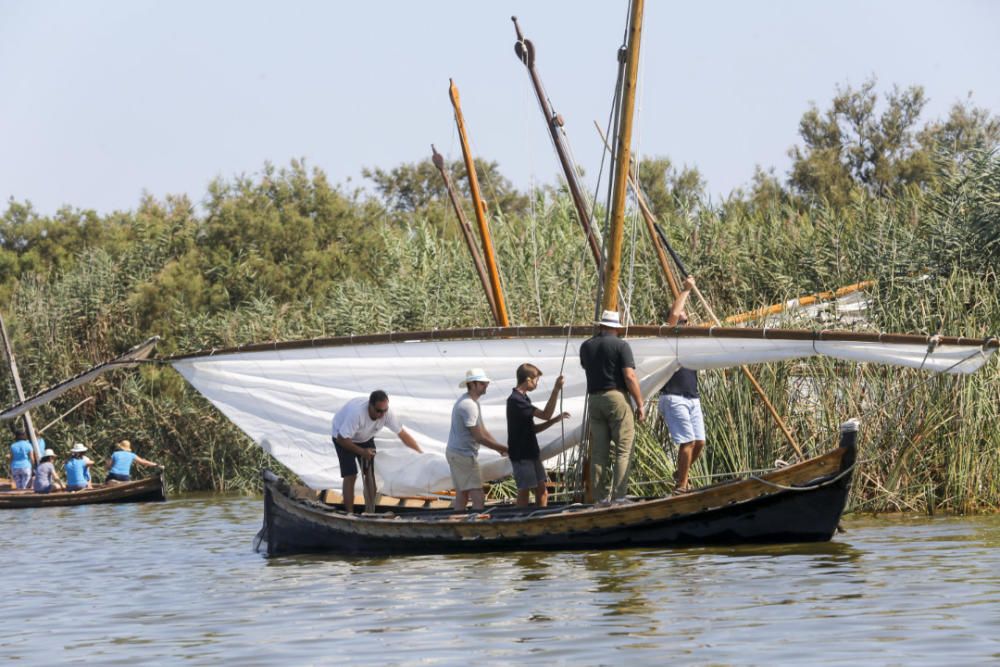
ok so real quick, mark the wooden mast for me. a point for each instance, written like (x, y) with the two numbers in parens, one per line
(650, 220)
(612, 268)
(525, 51)
(466, 228)
(480, 208)
(12, 363)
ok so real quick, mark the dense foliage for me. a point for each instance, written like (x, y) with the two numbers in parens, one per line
(871, 194)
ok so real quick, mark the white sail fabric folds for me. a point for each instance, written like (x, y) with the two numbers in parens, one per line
(285, 399)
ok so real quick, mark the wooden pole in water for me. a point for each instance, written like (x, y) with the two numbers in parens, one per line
(466, 228)
(480, 208)
(525, 51)
(12, 363)
(612, 269)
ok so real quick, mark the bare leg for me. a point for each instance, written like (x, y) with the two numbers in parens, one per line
(542, 495)
(461, 499)
(478, 498)
(347, 491)
(523, 499)
(684, 459)
(698, 446)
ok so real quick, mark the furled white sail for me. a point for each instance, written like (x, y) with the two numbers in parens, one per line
(285, 398)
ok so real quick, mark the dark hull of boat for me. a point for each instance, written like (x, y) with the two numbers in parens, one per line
(150, 489)
(801, 503)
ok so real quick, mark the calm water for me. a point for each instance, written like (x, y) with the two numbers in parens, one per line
(179, 583)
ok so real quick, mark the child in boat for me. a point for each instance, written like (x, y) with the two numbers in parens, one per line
(46, 477)
(522, 441)
(78, 469)
(119, 464)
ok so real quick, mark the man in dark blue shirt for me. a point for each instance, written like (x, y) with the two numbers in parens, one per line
(680, 403)
(610, 369)
(522, 440)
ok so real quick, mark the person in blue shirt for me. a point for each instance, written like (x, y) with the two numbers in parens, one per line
(22, 458)
(119, 464)
(77, 469)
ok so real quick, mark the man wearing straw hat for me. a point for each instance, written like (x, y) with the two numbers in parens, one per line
(610, 369)
(119, 464)
(466, 435)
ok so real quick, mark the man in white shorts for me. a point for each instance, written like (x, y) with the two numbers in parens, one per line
(680, 403)
(466, 435)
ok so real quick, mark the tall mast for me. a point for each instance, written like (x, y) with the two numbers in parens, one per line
(12, 363)
(525, 51)
(466, 228)
(650, 219)
(480, 208)
(612, 269)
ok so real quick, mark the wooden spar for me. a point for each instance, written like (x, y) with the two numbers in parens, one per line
(801, 301)
(480, 208)
(525, 51)
(12, 363)
(746, 371)
(466, 228)
(650, 220)
(63, 415)
(635, 331)
(612, 269)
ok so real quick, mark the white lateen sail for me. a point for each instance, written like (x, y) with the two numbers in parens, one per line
(284, 396)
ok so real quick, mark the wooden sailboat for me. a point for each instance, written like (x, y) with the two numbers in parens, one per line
(281, 394)
(147, 489)
(142, 490)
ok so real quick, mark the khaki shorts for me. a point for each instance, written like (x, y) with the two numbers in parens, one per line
(528, 473)
(464, 471)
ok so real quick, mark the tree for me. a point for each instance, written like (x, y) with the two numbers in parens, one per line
(414, 186)
(854, 145)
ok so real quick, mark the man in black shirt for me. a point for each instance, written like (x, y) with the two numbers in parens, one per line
(680, 403)
(522, 440)
(610, 369)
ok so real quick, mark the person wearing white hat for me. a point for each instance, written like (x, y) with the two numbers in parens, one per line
(77, 469)
(466, 435)
(46, 477)
(610, 369)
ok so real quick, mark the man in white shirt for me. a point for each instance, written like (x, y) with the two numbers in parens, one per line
(354, 427)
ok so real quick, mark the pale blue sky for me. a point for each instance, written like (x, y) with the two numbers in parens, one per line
(103, 99)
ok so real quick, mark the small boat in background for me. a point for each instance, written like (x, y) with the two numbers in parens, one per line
(149, 489)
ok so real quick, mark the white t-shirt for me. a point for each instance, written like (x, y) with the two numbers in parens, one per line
(352, 421)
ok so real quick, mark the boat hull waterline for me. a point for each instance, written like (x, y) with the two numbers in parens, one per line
(799, 503)
(149, 489)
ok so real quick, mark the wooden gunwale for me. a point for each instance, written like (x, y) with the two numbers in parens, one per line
(640, 331)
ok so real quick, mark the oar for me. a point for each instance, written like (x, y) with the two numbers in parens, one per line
(746, 371)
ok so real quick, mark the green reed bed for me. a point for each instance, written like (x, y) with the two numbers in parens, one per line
(234, 276)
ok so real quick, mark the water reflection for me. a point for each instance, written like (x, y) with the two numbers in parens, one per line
(178, 582)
